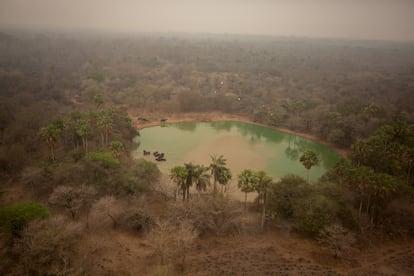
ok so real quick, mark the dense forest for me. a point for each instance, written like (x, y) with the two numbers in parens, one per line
(73, 200)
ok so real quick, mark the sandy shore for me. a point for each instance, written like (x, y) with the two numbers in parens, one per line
(154, 120)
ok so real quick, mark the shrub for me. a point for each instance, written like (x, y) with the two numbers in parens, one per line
(137, 220)
(72, 198)
(218, 216)
(76, 154)
(313, 213)
(337, 240)
(106, 159)
(284, 194)
(15, 217)
(106, 212)
(46, 247)
(172, 241)
(310, 206)
(110, 212)
(147, 172)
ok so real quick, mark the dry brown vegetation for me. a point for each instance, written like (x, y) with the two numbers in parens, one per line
(65, 135)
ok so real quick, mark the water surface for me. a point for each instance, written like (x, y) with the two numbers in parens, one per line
(245, 146)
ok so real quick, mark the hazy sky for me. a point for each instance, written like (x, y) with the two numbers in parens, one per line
(370, 19)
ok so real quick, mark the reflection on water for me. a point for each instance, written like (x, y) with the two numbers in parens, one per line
(243, 145)
(189, 126)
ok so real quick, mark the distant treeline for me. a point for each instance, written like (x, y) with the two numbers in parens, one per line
(337, 89)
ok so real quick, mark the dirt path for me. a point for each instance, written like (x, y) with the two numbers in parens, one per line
(154, 120)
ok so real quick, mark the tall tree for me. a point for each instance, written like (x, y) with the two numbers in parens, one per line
(84, 130)
(224, 178)
(308, 160)
(202, 178)
(105, 124)
(117, 147)
(246, 183)
(262, 183)
(178, 175)
(50, 134)
(191, 177)
(216, 167)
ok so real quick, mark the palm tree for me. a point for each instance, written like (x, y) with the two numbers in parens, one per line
(224, 177)
(84, 130)
(246, 184)
(191, 177)
(360, 180)
(407, 159)
(117, 147)
(383, 186)
(308, 160)
(261, 184)
(201, 178)
(50, 134)
(178, 175)
(105, 124)
(216, 168)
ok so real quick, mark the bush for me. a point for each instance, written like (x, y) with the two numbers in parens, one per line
(337, 240)
(77, 154)
(172, 241)
(218, 216)
(110, 212)
(137, 220)
(46, 247)
(285, 194)
(15, 217)
(310, 207)
(106, 213)
(104, 158)
(72, 198)
(146, 172)
(313, 213)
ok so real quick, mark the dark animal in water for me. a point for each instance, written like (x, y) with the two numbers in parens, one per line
(160, 159)
(147, 152)
(155, 153)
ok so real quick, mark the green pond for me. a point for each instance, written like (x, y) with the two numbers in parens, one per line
(245, 146)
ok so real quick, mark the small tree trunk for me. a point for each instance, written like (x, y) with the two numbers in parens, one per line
(84, 144)
(263, 212)
(73, 214)
(215, 187)
(102, 139)
(245, 201)
(188, 193)
(52, 151)
(114, 222)
(368, 204)
(360, 207)
(87, 219)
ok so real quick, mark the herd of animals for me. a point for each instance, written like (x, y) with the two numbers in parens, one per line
(159, 156)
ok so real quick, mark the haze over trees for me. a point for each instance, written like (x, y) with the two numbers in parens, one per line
(69, 104)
